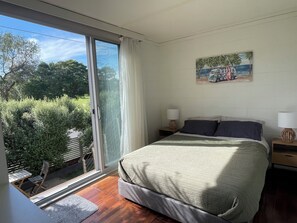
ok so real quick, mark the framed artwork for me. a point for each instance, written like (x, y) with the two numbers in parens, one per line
(232, 67)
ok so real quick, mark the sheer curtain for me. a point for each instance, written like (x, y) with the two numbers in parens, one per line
(134, 126)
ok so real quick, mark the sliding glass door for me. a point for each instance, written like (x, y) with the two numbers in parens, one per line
(107, 114)
(109, 99)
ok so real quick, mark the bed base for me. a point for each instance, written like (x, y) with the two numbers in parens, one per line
(165, 205)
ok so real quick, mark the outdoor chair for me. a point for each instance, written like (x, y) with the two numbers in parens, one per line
(39, 180)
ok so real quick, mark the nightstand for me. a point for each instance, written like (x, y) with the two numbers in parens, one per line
(284, 153)
(166, 131)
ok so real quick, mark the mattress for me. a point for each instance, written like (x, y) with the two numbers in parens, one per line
(221, 176)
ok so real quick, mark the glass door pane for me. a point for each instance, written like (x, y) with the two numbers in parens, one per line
(109, 99)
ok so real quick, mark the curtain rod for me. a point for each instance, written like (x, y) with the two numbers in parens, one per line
(121, 38)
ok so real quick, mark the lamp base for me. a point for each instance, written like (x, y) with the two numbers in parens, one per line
(172, 125)
(288, 135)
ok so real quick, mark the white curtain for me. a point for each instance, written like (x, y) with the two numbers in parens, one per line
(133, 115)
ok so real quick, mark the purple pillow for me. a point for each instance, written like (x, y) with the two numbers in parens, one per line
(200, 127)
(240, 129)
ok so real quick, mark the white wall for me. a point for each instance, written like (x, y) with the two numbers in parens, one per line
(3, 166)
(274, 85)
(153, 82)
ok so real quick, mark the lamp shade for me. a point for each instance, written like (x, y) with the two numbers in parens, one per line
(172, 114)
(287, 119)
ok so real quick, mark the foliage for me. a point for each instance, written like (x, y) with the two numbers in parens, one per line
(106, 73)
(36, 130)
(223, 60)
(18, 60)
(249, 56)
(87, 137)
(109, 99)
(83, 102)
(36, 108)
(57, 79)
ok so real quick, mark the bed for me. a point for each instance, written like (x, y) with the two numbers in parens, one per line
(197, 178)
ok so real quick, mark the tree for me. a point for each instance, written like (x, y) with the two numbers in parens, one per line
(106, 73)
(57, 79)
(249, 56)
(199, 65)
(18, 60)
(72, 77)
(233, 59)
(107, 79)
(38, 86)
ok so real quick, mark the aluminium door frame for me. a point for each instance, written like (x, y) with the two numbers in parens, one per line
(95, 109)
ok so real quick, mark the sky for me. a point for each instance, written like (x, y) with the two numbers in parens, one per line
(58, 45)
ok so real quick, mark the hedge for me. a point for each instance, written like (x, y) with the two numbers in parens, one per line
(36, 130)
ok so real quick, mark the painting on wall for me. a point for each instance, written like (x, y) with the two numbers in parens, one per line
(232, 67)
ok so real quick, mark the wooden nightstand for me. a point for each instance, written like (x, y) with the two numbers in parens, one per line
(284, 153)
(166, 131)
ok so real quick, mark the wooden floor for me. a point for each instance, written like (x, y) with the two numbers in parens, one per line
(278, 203)
(279, 198)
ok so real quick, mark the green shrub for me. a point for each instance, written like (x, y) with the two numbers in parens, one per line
(36, 130)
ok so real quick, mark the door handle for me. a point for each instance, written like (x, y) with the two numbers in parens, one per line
(98, 113)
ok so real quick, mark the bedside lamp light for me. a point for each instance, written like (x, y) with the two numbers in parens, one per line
(287, 120)
(172, 115)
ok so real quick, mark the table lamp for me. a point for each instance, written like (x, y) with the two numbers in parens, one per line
(287, 120)
(172, 115)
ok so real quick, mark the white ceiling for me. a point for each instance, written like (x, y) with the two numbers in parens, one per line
(165, 20)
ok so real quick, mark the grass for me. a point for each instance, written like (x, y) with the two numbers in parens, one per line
(83, 101)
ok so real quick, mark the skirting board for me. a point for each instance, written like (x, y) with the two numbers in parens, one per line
(165, 205)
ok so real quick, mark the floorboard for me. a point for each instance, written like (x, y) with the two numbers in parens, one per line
(278, 203)
(279, 198)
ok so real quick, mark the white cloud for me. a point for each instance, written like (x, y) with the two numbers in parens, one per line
(53, 50)
(34, 40)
